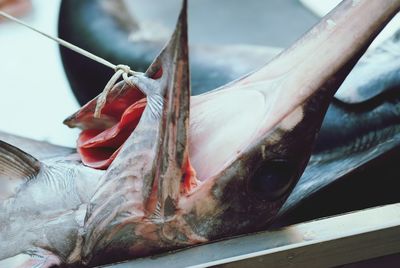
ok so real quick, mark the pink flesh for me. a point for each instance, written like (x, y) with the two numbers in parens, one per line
(98, 148)
(222, 126)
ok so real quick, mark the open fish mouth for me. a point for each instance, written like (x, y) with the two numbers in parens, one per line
(190, 169)
(181, 170)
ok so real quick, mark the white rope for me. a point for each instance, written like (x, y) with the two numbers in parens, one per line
(123, 70)
(102, 99)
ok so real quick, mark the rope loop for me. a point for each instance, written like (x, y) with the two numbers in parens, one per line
(126, 72)
(120, 70)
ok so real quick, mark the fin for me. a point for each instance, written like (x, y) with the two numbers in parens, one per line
(33, 259)
(320, 172)
(16, 167)
(39, 149)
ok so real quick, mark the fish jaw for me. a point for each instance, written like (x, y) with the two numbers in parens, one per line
(248, 191)
(301, 83)
(137, 200)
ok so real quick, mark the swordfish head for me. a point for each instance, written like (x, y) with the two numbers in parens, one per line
(181, 170)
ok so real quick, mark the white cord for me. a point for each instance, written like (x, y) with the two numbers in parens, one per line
(123, 70)
(65, 43)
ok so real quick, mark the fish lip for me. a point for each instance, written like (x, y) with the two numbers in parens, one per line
(69, 121)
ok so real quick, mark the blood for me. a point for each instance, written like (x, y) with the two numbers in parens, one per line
(190, 180)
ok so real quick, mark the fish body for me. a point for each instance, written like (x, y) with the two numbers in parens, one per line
(176, 180)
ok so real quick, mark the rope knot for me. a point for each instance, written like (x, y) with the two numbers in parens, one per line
(120, 70)
(125, 68)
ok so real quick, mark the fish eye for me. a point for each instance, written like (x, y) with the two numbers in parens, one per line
(273, 180)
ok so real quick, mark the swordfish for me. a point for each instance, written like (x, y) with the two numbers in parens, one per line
(358, 136)
(172, 177)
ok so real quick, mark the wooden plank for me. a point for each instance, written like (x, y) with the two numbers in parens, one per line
(328, 253)
(322, 243)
